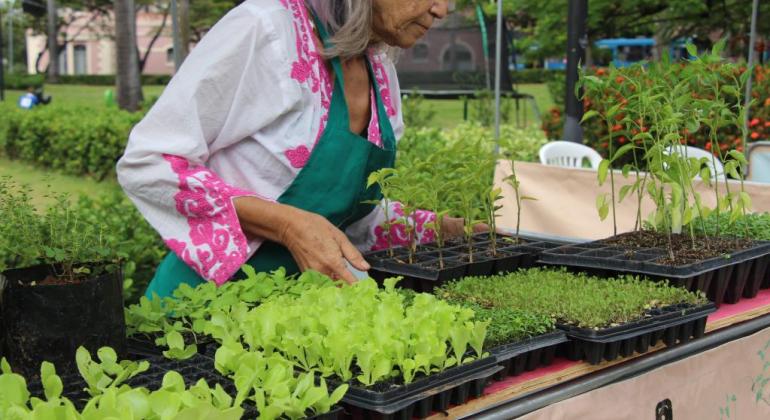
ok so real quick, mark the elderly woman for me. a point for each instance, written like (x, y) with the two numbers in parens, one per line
(259, 149)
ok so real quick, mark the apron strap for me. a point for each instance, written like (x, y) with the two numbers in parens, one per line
(324, 34)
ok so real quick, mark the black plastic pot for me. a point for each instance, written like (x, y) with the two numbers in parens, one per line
(672, 325)
(418, 399)
(527, 355)
(723, 279)
(49, 322)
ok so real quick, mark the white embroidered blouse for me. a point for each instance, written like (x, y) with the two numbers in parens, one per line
(241, 117)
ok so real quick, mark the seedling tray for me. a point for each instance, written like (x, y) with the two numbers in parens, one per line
(723, 279)
(418, 399)
(143, 345)
(527, 355)
(423, 275)
(679, 323)
(191, 370)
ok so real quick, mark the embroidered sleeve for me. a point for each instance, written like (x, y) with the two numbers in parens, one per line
(227, 90)
(370, 233)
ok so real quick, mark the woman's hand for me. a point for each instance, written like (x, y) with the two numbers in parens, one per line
(455, 226)
(313, 241)
(318, 245)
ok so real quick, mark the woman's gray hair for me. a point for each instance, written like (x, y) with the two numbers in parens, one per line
(350, 24)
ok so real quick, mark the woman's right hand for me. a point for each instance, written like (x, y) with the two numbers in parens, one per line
(313, 241)
(318, 245)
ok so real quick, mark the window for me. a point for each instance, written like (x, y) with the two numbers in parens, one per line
(170, 55)
(420, 53)
(63, 61)
(81, 59)
(457, 57)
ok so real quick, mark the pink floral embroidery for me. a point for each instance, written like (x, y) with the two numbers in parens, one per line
(397, 232)
(383, 82)
(311, 69)
(374, 135)
(298, 156)
(217, 245)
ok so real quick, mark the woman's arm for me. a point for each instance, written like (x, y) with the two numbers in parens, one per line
(230, 87)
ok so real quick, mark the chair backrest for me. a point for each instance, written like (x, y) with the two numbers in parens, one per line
(717, 169)
(568, 154)
(758, 156)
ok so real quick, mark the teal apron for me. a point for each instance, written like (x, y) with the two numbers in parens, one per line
(332, 184)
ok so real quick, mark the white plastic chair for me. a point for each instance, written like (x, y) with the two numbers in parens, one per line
(717, 169)
(568, 154)
(759, 161)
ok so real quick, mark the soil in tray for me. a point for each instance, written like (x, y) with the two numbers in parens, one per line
(684, 251)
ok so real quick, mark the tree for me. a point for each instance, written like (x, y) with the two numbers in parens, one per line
(128, 86)
(544, 24)
(53, 42)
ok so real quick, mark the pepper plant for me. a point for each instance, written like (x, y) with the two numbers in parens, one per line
(655, 109)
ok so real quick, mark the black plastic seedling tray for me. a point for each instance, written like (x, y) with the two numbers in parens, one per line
(673, 324)
(423, 275)
(143, 345)
(418, 399)
(723, 279)
(527, 355)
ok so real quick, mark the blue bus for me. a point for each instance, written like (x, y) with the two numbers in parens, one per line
(627, 51)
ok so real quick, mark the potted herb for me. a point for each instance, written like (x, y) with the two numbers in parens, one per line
(63, 286)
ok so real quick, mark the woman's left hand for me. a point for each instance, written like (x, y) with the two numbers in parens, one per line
(454, 227)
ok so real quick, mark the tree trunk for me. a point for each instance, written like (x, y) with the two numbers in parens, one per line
(127, 81)
(184, 29)
(53, 45)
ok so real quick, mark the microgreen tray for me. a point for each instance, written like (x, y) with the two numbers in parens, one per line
(418, 399)
(527, 355)
(679, 323)
(723, 279)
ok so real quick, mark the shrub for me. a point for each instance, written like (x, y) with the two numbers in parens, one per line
(538, 75)
(595, 133)
(125, 230)
(76, 140)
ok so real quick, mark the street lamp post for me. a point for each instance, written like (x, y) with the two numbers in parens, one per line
(576, 44)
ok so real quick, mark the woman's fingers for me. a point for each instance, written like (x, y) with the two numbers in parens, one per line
(352, 254)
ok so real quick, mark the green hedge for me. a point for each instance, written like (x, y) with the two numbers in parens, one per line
(535, 75)
(22, 81)
(76, 140)
(128, 234)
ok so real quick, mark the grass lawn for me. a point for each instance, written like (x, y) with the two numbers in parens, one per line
(80, 94)
(449, 113)
(43, 182)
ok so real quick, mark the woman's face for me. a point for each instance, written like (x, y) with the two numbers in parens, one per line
(400, 23)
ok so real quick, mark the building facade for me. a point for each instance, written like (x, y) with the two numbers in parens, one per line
(90, 44)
